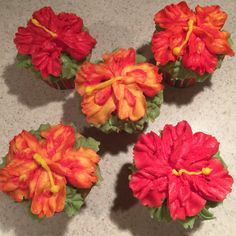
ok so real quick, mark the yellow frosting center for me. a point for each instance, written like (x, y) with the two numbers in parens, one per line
(204, 171)
(176, 51)
(36, 23)
(40, 160)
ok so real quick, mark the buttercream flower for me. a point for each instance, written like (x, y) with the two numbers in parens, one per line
(119, 92)
(179, 174)
(50, 167)
(54, 45)
(190, 44)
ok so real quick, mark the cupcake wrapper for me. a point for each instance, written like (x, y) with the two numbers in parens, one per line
(181, 83)
(62, 84)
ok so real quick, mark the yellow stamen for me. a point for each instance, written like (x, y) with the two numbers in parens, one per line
(36, 23)
(40, 160)
(204, 171)
(90, 89)
(176, 51)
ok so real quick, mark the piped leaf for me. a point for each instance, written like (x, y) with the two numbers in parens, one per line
(218, 156)
(3, 162)
(87, 142)
(37, 133)
(74, 201)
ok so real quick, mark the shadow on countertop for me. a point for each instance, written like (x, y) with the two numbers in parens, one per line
(29, 90)
(128, 214)
(112, 143)
(184, 96)
(15, 217)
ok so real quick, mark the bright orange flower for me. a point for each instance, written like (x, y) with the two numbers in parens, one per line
(40, 169)
(194, 35)
(116, 84)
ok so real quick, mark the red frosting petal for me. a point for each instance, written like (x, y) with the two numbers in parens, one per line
(174, 15)
(47, 60)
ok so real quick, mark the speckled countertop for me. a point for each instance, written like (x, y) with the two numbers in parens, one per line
(25, 103)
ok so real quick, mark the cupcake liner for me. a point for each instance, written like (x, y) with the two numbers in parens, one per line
(62, 84)
(179, 175)
(56, 155)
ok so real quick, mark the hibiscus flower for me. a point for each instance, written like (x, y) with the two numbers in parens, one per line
(117, 84)
(179, 169)
(40, 169)
(47, 35)
(195, 36)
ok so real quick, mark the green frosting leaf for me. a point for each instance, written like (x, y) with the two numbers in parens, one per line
(24, 61)
(69, 66)
(205, 214)
(161, 213)
(37, 133)
(4, 161)
(179, 72)
(153, 110)
(74, 201)
(140, 58)
(87, 142)
(217, 156)
(188, 223)
(99, 175)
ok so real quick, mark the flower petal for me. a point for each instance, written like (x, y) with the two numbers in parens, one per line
(184, 202)
(44, 202)
(163, 44)
(149, 189)
(97, 114)
(146, 76)
(174, 15)
(198, 58)
(131, 101)
(211, 16)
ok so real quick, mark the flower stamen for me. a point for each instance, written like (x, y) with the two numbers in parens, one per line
(90, 89)
(204, 171)
(176, 51)
(36, 23)
(40, 160)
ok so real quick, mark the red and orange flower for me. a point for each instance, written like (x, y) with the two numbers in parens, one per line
(40, 169)
(117, 84)
(48, 35)
(180, 170)
(195, 37)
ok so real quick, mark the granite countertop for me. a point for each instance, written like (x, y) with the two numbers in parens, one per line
(25, 103)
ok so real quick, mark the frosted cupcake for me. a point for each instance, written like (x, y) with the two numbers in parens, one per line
(53, 168)
(53, 46)
(189, 46)
(179, 175)
(120, 92)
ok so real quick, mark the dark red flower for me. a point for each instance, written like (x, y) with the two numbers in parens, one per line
(179, 166)
(64, 31)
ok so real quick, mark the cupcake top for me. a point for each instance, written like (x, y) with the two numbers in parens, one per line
(50, 38)
(48, 167)
(179, 174)
(117, 86)
(195, 37)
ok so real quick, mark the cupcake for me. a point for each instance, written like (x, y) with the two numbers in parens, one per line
(179, 175)
(53, 46)
(189, 46)
(53, 168)
(120, 92)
